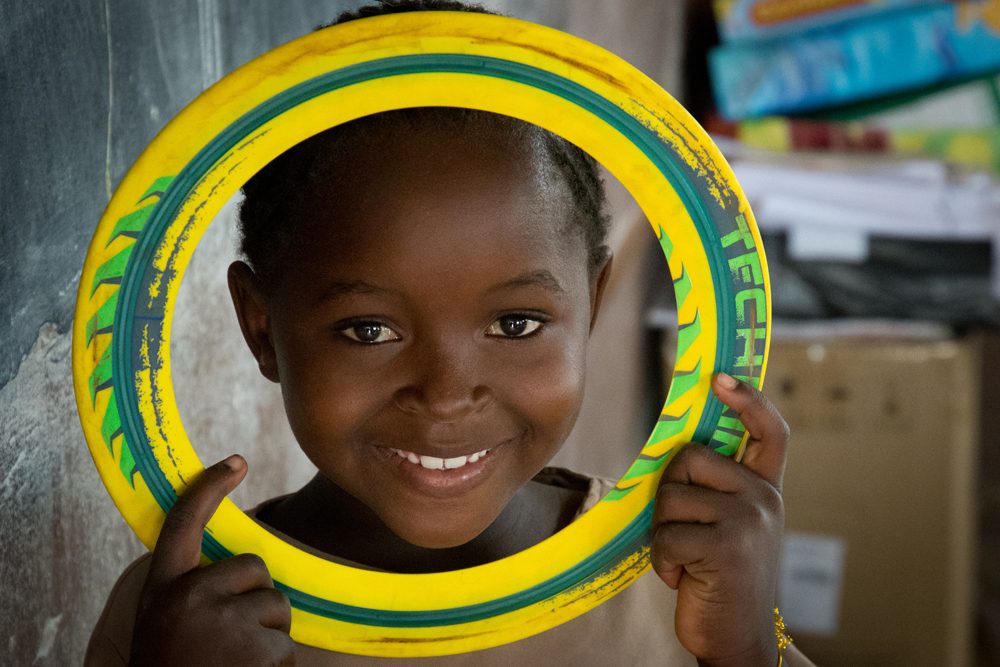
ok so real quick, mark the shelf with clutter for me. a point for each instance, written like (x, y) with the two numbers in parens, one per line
(850, 121)
(866, 135)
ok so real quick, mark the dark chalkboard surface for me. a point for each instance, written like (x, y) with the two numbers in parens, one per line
(84, 86)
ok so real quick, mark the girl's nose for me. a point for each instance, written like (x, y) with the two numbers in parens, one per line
(444, 387)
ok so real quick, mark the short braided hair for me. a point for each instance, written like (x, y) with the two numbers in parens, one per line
(273, 195)
(384, 7)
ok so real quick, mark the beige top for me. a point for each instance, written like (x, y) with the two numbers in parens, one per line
(635, 627)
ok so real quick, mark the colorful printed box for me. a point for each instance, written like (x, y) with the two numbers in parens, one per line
(856, 61)
(764, 19)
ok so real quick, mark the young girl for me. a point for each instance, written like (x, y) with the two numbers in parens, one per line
(422, 284)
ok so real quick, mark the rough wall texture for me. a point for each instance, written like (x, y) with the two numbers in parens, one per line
(85, 85)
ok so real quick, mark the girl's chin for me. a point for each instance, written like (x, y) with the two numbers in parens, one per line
(434, 537)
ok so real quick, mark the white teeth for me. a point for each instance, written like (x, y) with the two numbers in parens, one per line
(432, 462)
(456, 462)
(436, 463)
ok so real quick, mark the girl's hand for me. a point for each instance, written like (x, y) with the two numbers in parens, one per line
(717, 533)
(227, 613)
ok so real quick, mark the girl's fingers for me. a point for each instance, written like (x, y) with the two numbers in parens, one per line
(680, 504)
(671, 575)
(277, 648)
(768, 444)
(178, 547)
(232, 576)
(677, 545)
(702, 466)
(269, 606)
(686, 503)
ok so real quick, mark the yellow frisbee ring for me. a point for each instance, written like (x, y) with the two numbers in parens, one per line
(130, 280)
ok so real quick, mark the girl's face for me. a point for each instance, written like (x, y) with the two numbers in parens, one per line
(429, 330)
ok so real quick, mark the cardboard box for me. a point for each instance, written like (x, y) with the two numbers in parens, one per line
(883, 462)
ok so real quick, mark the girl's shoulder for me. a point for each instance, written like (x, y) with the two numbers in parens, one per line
(590, 487)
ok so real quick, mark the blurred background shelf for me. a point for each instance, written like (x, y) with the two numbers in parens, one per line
(866, 135)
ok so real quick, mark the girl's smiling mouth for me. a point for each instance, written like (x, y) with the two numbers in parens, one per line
(442, 477)
(436, 463)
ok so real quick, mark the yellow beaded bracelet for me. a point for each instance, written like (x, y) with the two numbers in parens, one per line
(781, 634)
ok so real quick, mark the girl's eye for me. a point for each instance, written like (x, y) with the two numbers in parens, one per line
(370, 333)
(514, 326)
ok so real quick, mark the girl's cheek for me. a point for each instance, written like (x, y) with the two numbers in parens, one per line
(555, 391)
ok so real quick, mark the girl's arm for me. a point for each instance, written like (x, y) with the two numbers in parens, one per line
(717, 538)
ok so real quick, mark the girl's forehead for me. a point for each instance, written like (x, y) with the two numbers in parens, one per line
(423, 179)
(470, 213)
(439, 210)
(368, 183)
(397, 150)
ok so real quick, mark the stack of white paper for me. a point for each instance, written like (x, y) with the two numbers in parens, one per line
(830, 205)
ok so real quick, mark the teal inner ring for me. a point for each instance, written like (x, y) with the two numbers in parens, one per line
(127, 325)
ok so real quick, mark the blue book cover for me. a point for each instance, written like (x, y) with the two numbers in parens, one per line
(756, 20)
(857, 61)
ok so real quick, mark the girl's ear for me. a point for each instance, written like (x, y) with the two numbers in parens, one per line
(251, 311)
(597, 288)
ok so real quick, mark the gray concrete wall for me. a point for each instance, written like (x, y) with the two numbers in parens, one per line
(84, 86)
